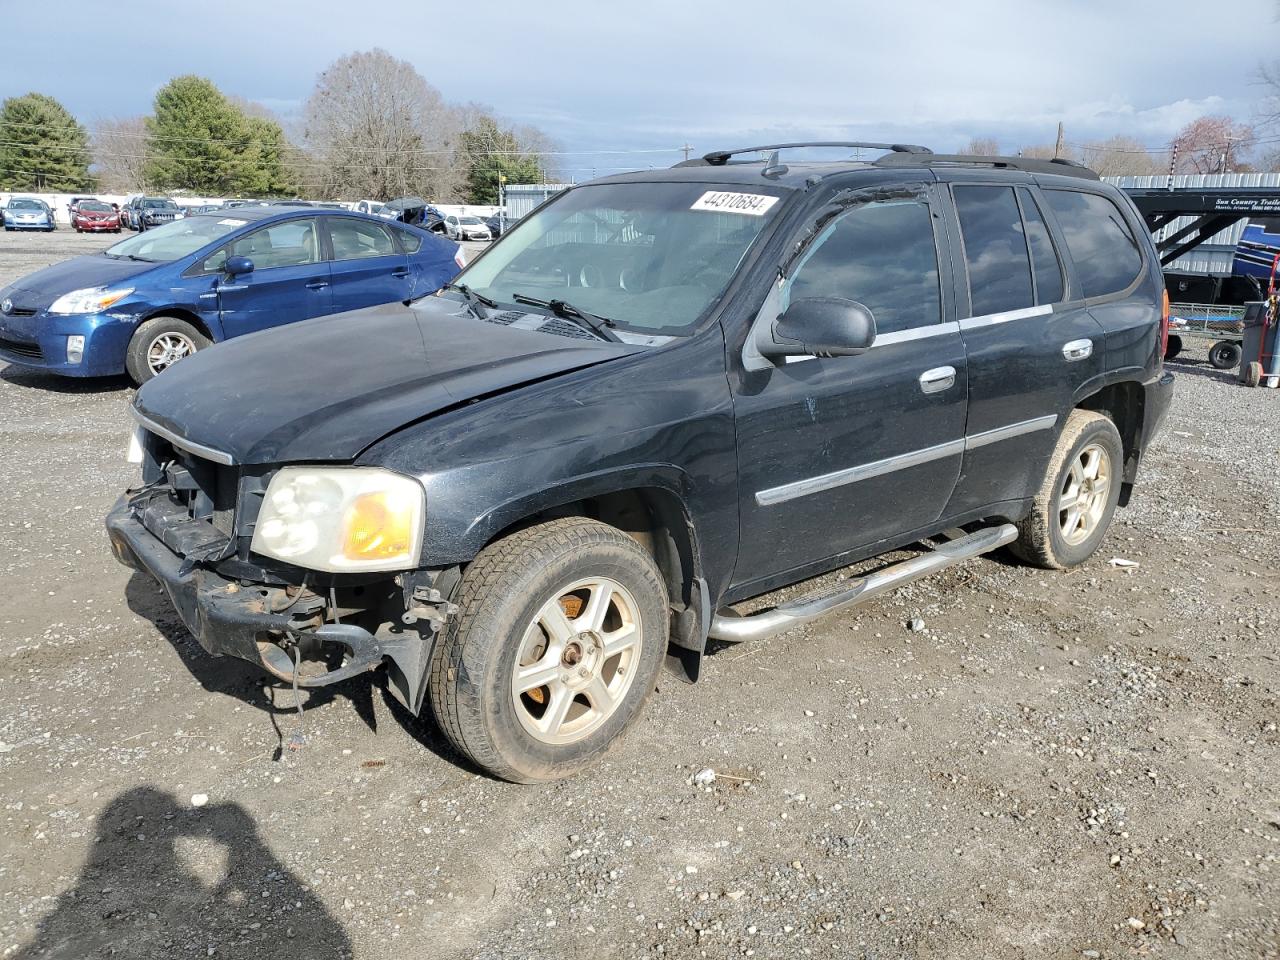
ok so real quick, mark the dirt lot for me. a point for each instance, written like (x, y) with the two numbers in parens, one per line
(1058, 765)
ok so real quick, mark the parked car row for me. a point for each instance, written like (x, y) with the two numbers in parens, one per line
(28, 213)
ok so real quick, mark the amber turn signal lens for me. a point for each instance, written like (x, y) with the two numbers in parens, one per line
(378, 526)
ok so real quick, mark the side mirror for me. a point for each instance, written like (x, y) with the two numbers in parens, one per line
(821, 327)
(235, 266)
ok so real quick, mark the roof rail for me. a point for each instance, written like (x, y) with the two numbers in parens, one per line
(720, 157)
(1058, 165)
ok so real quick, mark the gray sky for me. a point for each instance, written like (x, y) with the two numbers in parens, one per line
(599, 76)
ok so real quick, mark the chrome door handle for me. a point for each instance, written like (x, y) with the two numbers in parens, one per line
(1077, 350)
(938, 379)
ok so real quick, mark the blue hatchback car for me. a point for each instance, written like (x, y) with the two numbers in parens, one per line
(151, 300)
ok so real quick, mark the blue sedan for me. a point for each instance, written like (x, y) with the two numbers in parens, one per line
(148, 301)
(27, 213)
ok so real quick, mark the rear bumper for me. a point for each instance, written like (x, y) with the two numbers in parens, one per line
(1159, 398)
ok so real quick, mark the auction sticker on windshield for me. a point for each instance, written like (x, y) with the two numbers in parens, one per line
(232, 223)
(752, 204)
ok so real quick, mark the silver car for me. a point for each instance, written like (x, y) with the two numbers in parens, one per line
(466, 228)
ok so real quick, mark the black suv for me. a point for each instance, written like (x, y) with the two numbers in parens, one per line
(660, 394)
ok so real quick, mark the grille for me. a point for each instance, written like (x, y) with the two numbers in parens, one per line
(563, 328)
(30, 351)
(205, 489)
(22, 312)
(506, 318)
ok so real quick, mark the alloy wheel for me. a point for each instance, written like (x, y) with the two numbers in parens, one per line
(1082, 502)
(167, 349)
(577, 660)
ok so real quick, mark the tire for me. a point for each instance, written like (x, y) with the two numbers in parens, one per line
(1252, 374)
(1225, 354)
(516, 584)
(1047, 537)
(1173, 347)
(140, 361)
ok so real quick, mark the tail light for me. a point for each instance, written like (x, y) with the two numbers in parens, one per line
(1164, 325)
(460, 258)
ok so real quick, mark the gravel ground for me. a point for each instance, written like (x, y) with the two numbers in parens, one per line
(1056, 765)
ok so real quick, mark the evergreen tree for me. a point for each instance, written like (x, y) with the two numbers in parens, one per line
(494, 152)
(42, 147)
(199, 140)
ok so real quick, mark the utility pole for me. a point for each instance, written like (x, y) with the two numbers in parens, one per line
(687, 149)
(1057, 147)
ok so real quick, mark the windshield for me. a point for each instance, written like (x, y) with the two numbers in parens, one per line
(653, 257)
(25, 205)
(471, 221)
(159, 204)
(175, 240)
(96, 206)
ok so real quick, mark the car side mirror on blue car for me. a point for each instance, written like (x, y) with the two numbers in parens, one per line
(236, 266)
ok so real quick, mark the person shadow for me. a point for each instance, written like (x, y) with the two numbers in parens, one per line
(166, 879)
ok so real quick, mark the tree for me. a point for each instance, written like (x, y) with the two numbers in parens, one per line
(981, 147)
(377, 129)
(490, 152)
(1212, 145)
(199, 140)
(1121, 156)
(42, 147)
(1045, 151)
(119, 154)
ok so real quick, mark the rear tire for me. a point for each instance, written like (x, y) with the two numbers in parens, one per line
(1225, 354)
(1073, 508)
(1173, 347)
(572, 601)
(158, 344)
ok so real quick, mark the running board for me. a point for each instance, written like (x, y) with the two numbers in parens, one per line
(731, 626)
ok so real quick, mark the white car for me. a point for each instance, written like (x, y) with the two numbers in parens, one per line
(466, 228)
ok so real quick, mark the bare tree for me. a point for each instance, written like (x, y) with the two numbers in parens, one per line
(1212, 145)
(1122, 156)
(981, 147)
(119, 149)
(1045, 151)
(377, 129)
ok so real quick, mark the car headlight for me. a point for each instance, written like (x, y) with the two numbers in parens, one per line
(341, 519)
(89, 300)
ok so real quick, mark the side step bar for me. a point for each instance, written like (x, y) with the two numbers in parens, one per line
(730, 626)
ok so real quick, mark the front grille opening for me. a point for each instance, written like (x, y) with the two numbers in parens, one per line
(30, 351)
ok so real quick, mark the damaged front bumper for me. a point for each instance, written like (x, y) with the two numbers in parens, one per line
(279, 628)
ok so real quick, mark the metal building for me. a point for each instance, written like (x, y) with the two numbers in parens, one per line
(1214, 256)
(521, 198)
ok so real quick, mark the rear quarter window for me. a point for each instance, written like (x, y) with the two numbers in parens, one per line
(412, 242)
(1106, 255)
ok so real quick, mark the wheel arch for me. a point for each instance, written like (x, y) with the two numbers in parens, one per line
(1123, 402)
(651, 509)
(185, 314)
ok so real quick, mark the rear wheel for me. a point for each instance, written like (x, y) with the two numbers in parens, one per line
(557, 643)
(160, 343)
(1225, 354)
(1173, 347)
(1073, 509)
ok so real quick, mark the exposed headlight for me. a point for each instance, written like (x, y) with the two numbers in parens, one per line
(75, 348)
(342, 519)
(89, 300)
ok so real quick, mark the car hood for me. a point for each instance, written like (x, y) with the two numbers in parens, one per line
(95, 270)
(329, 388)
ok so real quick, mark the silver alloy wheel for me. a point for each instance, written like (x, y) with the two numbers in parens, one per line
(577, 660)
(1083, 499)
(167, 349)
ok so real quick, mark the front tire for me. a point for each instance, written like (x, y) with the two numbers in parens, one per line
(556, 646)
(1225, 355)
(160, 343)
(1073, 508)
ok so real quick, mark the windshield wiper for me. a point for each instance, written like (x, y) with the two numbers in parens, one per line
(470, 295)
(134, 256)
(598, 325)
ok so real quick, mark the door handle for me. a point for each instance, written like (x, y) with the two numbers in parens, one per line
(1074, 350)
(400, 273)
(232, 287)
(317, 284)
(938, 379)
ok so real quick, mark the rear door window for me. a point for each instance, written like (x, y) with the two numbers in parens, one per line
(881, 254)
(1103, 249)
(1046, 267)
(358, 239)
(995, 249)
(412, 242)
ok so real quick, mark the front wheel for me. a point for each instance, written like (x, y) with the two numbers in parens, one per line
(560, 632)
(1076, 500)
(160, 343)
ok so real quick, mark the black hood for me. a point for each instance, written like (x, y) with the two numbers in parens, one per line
(326, 389)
